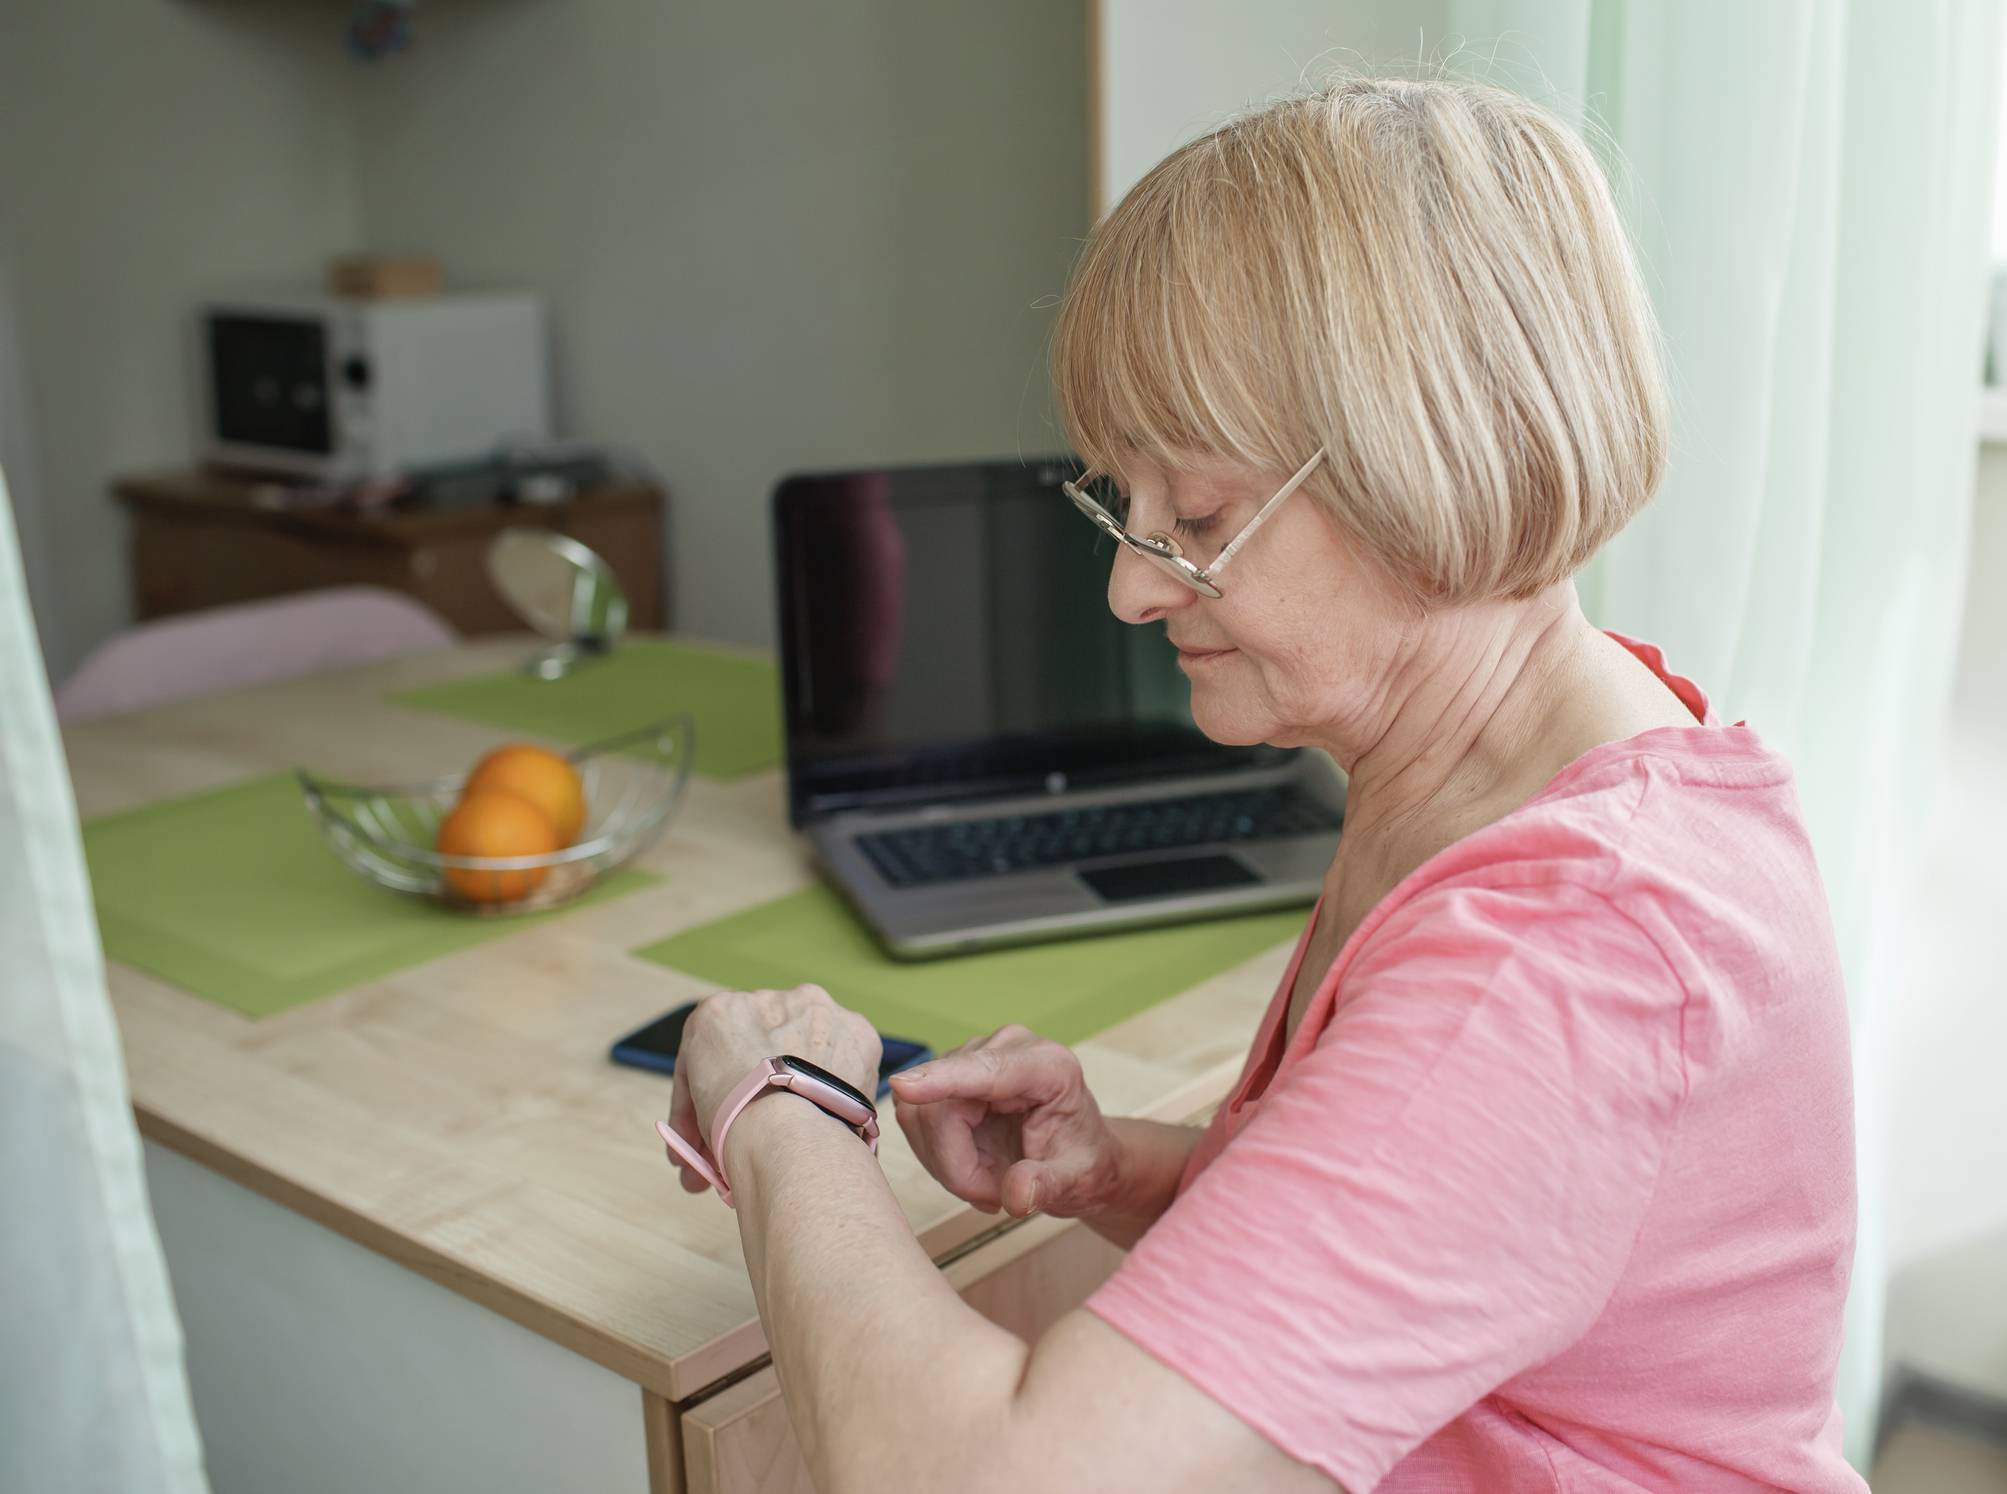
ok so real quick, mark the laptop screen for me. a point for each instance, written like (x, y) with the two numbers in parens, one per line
(945, 634)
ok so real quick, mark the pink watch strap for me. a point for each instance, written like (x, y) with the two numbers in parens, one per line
(771, 1073)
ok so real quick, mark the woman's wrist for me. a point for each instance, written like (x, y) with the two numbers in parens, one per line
(771, 1132)
(1148, 1159)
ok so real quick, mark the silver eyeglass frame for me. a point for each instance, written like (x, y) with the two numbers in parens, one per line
(1165, 552)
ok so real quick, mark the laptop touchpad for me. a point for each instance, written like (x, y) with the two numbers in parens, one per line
(1134, 879)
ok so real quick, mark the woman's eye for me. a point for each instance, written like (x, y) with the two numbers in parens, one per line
(1192, 528)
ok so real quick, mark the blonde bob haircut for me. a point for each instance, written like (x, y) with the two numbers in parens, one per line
(1430, 280)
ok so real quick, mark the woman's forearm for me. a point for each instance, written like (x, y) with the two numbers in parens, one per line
(1152, 1156)
(877, 1357)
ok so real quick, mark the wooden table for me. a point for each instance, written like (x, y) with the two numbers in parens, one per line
(420, 1232)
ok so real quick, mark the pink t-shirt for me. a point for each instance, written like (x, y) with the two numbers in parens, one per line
(1553, 1188)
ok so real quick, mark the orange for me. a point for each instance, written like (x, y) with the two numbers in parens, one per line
(543, 777)
(494, 822)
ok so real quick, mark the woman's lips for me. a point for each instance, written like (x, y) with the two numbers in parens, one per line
(1201, 655)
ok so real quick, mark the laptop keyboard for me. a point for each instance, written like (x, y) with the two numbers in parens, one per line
(986, 848)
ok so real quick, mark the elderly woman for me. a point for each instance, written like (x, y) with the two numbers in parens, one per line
(1539, 1173)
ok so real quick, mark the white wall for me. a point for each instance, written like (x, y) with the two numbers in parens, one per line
(1172, 69)
(773, 237)
(151, 151)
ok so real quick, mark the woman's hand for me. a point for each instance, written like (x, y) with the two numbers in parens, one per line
(732, 1032)
(1007, 1121)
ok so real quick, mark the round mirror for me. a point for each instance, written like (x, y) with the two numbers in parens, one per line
(562, 590)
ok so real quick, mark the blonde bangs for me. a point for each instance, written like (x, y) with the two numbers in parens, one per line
(1427, 279)
(1155, 330)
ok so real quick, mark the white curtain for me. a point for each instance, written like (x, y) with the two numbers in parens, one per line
(1809, 184)
(92, 1391)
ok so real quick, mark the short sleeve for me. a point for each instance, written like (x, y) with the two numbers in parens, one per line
(1439, 1195)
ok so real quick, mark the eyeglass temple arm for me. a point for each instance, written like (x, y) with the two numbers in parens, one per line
(1303, 472)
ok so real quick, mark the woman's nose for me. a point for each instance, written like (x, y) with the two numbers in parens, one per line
(1140, 592)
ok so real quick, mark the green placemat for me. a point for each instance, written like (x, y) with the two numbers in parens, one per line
(1066, 990)
(233, 895)
(734, 699)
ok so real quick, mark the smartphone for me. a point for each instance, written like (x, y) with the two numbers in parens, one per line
(654, 1047)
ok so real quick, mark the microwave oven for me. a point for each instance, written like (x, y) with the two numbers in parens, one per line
(339, 390)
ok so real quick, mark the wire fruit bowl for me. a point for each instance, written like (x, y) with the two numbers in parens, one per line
(386, 834)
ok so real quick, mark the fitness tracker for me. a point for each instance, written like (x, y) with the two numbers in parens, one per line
(811, 1081)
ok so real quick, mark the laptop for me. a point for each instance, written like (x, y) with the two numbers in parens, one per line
(981, 753)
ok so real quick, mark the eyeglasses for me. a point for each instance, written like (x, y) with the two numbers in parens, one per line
(1163, 551)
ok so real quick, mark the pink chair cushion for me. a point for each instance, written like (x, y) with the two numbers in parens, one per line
(229, 648)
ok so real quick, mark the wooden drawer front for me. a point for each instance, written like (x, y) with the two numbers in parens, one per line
(1035, 1275)
(629, 540)
(185, 565)
(739, 1440)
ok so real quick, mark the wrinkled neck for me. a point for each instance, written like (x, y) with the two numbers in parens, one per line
(1467, 710)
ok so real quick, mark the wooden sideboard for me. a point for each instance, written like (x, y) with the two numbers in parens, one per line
(206, 538)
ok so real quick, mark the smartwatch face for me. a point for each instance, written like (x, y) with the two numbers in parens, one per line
(816, 1071)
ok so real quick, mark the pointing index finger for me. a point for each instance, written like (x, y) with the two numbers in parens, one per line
(981, 1074)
